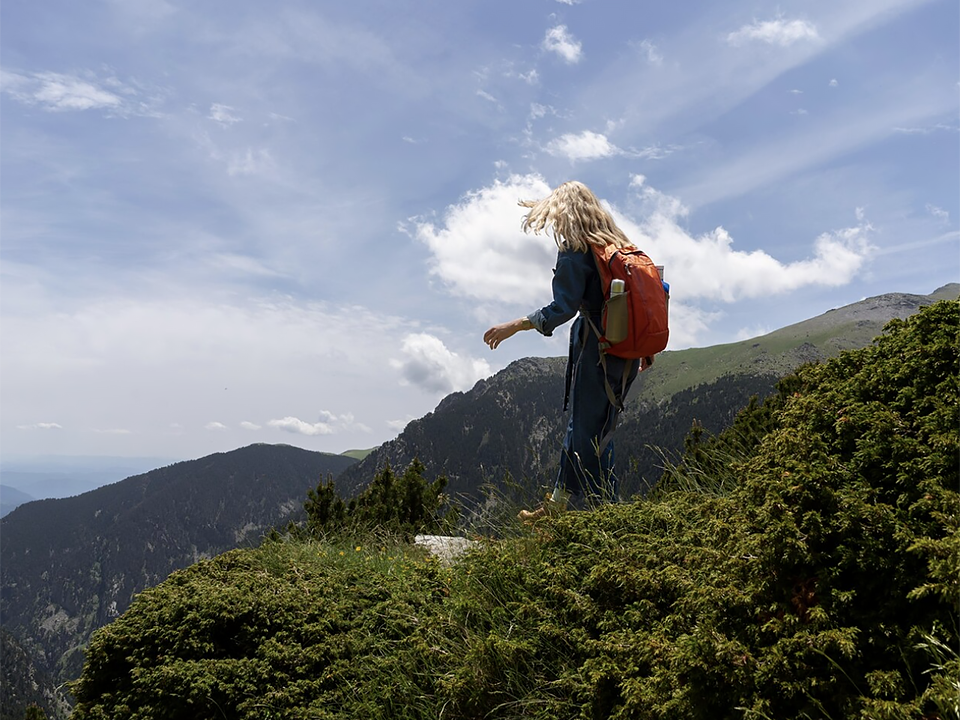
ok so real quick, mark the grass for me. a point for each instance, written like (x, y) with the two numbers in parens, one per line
(357, 454)
(772, 354)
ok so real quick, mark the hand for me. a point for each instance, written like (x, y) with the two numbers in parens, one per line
(498, 333)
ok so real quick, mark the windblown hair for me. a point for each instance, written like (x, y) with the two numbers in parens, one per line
(576, 218)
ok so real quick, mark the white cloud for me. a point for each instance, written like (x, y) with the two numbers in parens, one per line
(327, 424)
(949, 237)
(654, 56)
(430, 365)
(10, 82)
(939, 213)
(833, 83)
(480, 253)
(479, 250)
(709, 267)
(531, 78)
(538, 111)
(399, 425)
(926, 129)
(41, 426)
(775, 32)
(655, 152)
(583, 146)
(561, 42)
(61, 92)
(85, 90)
(247, 425)
(67, 356)
(298, 426)
(688, 322)
(218, 426)
(57, 92)
(223, 114)
(656, 203)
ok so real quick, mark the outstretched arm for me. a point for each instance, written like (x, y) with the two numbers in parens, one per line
(569, 282)
(498, 333)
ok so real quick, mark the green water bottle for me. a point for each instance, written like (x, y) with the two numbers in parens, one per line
(615, 327)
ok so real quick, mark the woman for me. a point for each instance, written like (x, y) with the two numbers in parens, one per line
(577, 220)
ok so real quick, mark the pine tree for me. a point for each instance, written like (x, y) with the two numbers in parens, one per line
(407, 504)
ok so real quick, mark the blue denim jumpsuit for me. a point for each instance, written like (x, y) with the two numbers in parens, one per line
(586, 470)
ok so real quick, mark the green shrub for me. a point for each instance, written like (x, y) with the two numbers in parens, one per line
(294, 629)
(404, 505)
(808, 588)
(819, 579)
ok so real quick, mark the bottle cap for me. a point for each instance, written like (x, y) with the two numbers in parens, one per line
(617, 286)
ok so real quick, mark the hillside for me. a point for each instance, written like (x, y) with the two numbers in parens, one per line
(512, 422)
(818, 580)
(23, 685)
(782, 351)
(69, 566)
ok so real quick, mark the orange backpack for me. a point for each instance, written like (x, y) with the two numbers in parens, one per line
(644, 299)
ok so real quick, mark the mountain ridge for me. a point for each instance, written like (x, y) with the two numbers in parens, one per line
(522, 439)
(71, 565)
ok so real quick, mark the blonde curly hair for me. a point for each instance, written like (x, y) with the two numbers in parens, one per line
(576, 217)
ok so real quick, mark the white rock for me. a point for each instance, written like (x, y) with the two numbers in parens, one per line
(445, 547)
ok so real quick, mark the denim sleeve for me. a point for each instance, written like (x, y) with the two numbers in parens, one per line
(569, 286)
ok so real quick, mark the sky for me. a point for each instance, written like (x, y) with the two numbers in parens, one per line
(291, 222)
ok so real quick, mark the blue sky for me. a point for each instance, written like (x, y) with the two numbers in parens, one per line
(236, 222)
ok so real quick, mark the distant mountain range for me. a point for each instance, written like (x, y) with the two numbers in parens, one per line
(512, 424)
(59, 476)
(11, 498)
(69, 566)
